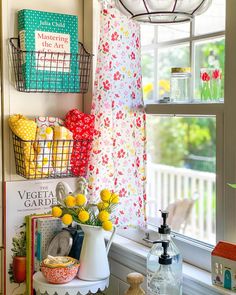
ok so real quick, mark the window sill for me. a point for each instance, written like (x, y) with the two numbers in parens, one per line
(184, 108)
(133, 255)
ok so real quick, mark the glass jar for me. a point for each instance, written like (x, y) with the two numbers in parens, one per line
(180, 85)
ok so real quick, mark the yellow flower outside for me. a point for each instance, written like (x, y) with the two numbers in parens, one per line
(105, 195)
(107, 225)
(56, 212)
(67, 219)
(115, 198)
(83, 216)
(70, 201)
(147, 89)
(80, 200)
(103, 216)
(102, 205)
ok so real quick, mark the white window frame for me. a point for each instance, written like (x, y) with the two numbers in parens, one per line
(199, 254)
(188, 40)
(194, 252)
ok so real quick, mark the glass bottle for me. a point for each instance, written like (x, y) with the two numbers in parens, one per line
(153, 256)
(164, 280)
(180, 85)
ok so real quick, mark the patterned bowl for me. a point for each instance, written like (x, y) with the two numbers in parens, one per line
(60, 274)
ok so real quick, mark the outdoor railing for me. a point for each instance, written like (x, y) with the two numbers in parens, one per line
(167, 184)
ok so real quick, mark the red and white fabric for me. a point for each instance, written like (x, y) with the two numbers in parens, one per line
(118, 156)
(82, 127)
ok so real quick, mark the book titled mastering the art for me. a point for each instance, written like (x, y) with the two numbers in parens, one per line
(51, 44)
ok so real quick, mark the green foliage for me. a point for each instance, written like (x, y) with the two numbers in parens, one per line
(174, 140)
(19, 244)
(11, 275)
(232, 185)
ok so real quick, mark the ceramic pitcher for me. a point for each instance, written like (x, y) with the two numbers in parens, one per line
(94, 264)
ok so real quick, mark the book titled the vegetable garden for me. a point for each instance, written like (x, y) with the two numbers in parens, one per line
(50, 44)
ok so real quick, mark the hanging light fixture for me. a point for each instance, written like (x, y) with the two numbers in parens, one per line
(162, 11)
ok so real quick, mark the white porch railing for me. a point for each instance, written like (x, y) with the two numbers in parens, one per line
(167, 184)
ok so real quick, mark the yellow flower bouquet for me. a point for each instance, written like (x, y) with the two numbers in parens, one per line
(77, 208)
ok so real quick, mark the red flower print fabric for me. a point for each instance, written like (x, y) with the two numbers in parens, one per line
(82, 127)
(118, 155)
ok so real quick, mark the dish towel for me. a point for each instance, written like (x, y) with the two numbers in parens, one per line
(82, 127)
(49, 121)
(62, 149)
(43, 148)
(25, 129)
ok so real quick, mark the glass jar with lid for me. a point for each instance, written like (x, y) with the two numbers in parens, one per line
(180, 85)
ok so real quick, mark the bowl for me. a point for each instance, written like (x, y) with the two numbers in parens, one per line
(59, 273)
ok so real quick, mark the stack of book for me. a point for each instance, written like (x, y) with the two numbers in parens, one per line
(40, 229)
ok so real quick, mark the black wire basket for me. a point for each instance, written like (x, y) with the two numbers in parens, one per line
(36, 159)
(50, 72)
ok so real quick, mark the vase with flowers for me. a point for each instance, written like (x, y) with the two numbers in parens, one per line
(93, 218)
(211, 79)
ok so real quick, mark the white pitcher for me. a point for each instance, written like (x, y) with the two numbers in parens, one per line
(94, 264)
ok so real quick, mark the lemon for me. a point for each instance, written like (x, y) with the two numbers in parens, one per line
(83, 216)
(67, 219)
(107, 225)
(80, 200)
(56, 212)
(70, 201)
(103, 216)
(105, 195)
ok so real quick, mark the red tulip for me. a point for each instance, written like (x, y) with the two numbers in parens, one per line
(205, 77)
(216, 74)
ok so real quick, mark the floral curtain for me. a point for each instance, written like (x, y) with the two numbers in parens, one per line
(118, 155)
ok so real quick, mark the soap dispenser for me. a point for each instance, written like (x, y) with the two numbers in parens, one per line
(164, 280)
(156, 251)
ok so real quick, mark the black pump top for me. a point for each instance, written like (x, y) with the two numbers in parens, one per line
(165, 258)
(164, 228)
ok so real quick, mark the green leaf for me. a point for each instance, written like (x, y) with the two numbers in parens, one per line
(232, 185)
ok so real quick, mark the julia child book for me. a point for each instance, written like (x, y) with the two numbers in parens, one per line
(51, 44)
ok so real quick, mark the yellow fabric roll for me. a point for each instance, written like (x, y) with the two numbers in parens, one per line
(43, 148)
(62, 149)
(25, 129)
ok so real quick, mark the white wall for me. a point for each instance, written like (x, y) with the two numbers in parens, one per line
(28, 104)
(31, 104)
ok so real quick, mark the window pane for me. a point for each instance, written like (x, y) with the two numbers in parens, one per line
(148, 74)
(181, 174)
(210, 57)
(213, 20)
(147, 34)
(173, 32)
(174, 56)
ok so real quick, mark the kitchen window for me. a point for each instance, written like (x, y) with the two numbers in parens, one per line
(206, 29)
(185, 169)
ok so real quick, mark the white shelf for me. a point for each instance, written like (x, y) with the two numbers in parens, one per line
(182, 109)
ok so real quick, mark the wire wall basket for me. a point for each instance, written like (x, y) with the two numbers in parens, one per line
(56, 72)
(36, 159)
